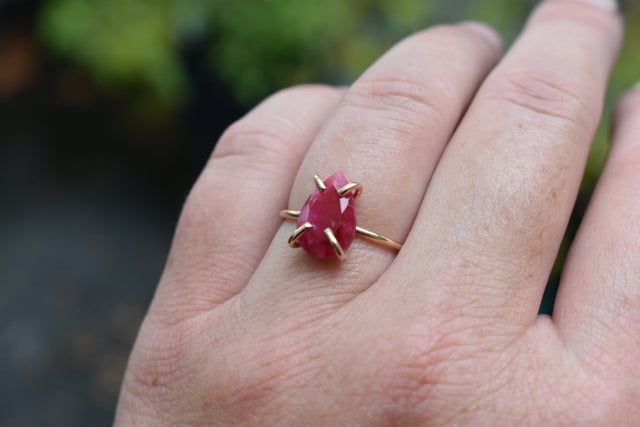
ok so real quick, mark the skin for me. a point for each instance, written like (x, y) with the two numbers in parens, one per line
(474, 160)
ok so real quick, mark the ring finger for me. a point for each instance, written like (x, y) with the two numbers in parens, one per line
(388, 134)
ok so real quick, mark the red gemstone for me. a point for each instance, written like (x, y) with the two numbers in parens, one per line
(324, 210)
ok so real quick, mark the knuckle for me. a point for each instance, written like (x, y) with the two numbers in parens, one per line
(541, 94)
(404, 100)
(270, 367)
(168, 371)
(413, 92)
(155, 365)
(258, 139)
(265, 134)
(428, 362)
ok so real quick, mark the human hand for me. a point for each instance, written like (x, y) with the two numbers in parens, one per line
(245, 330)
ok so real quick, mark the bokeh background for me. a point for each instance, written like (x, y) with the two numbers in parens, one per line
(108, 110)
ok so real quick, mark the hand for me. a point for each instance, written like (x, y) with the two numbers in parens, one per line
(475, 162)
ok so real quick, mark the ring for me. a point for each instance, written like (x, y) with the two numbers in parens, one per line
(327, 222)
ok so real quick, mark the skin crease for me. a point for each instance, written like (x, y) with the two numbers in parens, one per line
(474, 160)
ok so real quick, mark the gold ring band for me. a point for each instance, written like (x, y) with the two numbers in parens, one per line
(370, 235)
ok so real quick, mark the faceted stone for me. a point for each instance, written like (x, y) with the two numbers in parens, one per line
(324, 210)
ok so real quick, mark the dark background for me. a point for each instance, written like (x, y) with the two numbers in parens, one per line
(108, 111)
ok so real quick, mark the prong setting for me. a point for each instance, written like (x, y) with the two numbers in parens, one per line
(319, 183)
(351, 187)
(335, 244)
(293, 239)
(327, 221)
(287, 214)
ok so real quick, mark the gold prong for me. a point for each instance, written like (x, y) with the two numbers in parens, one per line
(352, 186)
(378, 238)
(293, 240)
(335, 244)
(319, 183)
(287, 214)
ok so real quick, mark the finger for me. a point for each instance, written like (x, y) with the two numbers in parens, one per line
(219, 240)
(597, 308)
(387, 134)
(499, 202)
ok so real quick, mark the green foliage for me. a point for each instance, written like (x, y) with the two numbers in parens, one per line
(274, 43)
(256, 46)
(259, 46)
(119, 42)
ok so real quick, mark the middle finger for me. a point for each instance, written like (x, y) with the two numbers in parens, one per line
(497, 207)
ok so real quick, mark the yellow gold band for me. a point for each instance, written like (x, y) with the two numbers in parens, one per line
(370, 235)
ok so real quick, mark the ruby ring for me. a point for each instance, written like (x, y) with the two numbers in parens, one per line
(327, 222)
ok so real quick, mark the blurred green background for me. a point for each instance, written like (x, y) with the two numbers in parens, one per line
(109, 109)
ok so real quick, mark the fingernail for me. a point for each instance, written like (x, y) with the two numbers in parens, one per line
(483, 30)
(607, 5)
